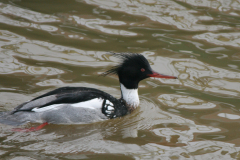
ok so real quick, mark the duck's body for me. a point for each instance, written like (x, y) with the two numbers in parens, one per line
(69, 105)
(74, 105)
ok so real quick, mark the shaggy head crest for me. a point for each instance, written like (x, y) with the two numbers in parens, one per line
(128, 59)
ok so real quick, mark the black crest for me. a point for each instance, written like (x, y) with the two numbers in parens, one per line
(128, 59)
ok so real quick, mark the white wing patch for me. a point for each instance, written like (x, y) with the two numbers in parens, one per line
(51, 107)
(95, 103)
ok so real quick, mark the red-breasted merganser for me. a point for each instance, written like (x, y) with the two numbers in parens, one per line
(75, 105)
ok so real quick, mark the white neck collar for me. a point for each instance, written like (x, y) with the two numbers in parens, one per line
(130, 96)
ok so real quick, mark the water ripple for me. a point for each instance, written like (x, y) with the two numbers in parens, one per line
(166, 12)
(228, 39)
(96, 24)
(27, 14)
(183, 101)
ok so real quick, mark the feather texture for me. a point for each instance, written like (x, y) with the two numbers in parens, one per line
(128, 59)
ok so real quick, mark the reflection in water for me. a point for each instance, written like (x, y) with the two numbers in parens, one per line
(42, 70)
(11, 100)
(221, 5)
(95, 142)
(208, 78)
(231, 39)
(27, 14)
(187, 102)
(166, 12)
(11, 22)
(198, 75)
(196, 150)
(96, 24)
(50, 82)
(229, 116)
(151, 113)
(9, 65)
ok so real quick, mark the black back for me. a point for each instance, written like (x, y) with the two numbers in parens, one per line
(69, 95)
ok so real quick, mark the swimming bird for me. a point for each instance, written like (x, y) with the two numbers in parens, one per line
(76, 105)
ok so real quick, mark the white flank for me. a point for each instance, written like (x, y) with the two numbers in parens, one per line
(95, 103)
(130, 96)
(91, 104)
(51, 107)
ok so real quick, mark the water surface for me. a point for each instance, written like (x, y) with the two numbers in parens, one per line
(50, 44)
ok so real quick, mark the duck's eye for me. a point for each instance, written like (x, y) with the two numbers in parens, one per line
(142, 69)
